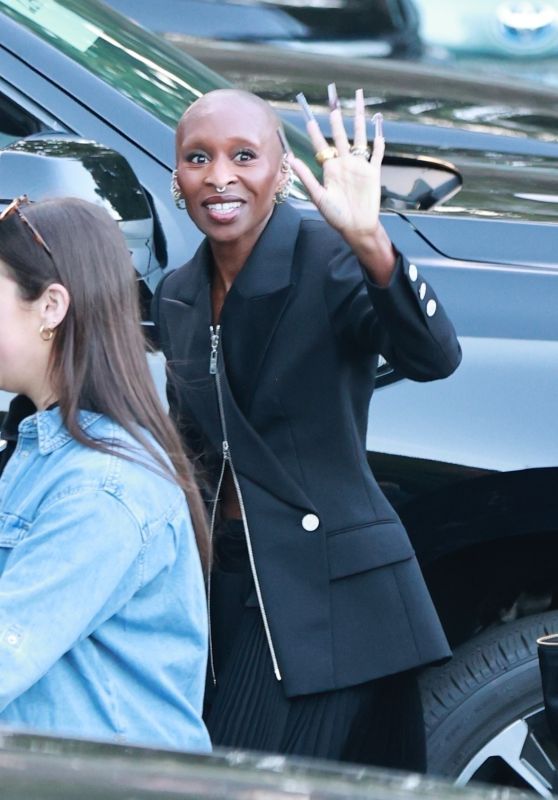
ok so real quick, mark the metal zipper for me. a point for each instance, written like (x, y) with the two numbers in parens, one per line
(211, 530)
(215, 334)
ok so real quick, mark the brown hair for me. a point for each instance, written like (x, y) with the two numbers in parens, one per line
(98, 358)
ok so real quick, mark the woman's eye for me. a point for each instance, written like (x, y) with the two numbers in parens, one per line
(197, 158)
(245, 155)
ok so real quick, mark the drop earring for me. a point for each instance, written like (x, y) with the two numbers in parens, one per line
(284, 190)
(176, 193)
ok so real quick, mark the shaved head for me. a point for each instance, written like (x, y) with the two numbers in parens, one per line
(225, 100)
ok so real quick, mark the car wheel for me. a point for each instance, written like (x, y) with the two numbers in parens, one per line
(484, 711)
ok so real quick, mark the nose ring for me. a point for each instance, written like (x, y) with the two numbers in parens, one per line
(220, 189)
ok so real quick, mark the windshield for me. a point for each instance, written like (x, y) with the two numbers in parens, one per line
(138, 64)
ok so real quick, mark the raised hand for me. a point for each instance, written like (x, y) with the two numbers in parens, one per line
(349, 199)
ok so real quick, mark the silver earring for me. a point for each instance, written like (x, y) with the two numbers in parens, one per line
(176, 193)
(220, 189)
(284, 190)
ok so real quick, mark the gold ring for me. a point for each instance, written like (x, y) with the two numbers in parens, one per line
(360, 151)
(326, 154)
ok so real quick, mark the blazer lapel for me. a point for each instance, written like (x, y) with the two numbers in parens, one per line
(256, 301)
(250, 315)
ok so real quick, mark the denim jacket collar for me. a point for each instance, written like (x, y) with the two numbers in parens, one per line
(48, 428)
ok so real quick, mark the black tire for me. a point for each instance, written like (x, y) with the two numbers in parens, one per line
(492, 681)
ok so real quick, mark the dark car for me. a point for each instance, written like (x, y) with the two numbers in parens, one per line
(358, 28)
(407, 93)
(470, 195)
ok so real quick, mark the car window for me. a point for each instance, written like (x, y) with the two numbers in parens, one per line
(15, 122)
(140, 66)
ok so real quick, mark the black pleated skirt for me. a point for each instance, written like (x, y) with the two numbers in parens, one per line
(377, 723)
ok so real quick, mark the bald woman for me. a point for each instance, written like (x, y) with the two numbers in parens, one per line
(320, 617)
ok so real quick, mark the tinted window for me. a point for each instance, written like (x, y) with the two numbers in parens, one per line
(139, 65)
(15, 123)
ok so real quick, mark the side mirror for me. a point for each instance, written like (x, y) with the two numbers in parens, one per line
(47, 165)
(55, 165)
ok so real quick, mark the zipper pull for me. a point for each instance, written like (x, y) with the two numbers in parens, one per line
(214, 339)
(226, 451)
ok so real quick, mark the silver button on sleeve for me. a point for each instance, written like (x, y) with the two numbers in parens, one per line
(422, 291)
(430, 308)
(413, 272)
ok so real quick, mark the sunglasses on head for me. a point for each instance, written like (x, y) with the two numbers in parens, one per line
(15, 208)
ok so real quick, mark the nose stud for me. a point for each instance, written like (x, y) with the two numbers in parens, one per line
(220, 189)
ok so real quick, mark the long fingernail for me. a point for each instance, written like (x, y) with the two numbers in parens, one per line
(378, 120)
(283, 140)
(332, 97)
(306, 110)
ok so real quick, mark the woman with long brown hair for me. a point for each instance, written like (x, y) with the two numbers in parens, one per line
(103, 629)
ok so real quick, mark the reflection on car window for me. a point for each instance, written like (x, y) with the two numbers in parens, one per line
(139, 65)
(15, 123)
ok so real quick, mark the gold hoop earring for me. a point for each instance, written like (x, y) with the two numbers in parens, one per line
(285, 189)
(45, 333)
(176, 193)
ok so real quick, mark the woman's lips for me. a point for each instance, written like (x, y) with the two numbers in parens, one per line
(223, 209)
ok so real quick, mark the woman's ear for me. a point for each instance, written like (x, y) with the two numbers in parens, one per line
(53, 305)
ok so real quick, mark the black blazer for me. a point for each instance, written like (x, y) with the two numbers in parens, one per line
(301, 327)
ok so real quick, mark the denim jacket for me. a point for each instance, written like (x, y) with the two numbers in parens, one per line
(103, 623)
